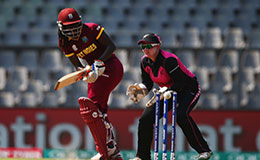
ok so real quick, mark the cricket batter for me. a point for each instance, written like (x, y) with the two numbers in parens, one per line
(165, 69)
(90, 42)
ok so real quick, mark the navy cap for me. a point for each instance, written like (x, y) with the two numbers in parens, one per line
(150, 38)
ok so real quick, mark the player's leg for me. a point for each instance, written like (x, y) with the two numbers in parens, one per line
(99, 92)
(145, 131)
(187, 100)
(101, 130)
(94, 119)
(112, 148)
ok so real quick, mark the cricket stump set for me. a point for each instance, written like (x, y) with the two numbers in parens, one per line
(167, 96)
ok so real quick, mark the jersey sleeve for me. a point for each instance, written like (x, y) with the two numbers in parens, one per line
(96, 30)
(173, 69)
(146, 80)
(67, 52)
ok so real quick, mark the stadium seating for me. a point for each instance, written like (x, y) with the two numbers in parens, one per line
(231, 102)
(28, 59)
(123, 56)
(36, 87)
(19, 75)
(229, 59)
(51, 60)
(235, 38)
(212, 38)
(28, 100)
(7, 59)
(191, 37)
(202, 75)
(2, 78)
(49, 100)
(210, 101)
(188, 59)
(207, 59)
(43, 76)
(7, 99)
(11, 89)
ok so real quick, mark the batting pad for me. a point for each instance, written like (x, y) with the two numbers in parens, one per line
(94, 119)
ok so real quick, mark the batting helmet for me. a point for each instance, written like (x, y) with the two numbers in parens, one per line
(69, 23)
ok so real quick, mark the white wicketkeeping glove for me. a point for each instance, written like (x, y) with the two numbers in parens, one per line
(136, 92)
(161, 91)
(91, 77)
(99, 67)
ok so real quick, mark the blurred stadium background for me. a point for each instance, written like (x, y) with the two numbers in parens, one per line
(219, 40)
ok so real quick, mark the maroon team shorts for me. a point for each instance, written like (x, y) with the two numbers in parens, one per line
(100, 90)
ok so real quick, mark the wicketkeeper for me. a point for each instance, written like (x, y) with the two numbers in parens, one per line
(167, 71)
(89, 42)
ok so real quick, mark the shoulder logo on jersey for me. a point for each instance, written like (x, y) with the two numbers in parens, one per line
(70, 16)
(98, 28)
(84, 39)
(74, 47)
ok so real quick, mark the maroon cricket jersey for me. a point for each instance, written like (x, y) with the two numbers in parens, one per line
(87, 46)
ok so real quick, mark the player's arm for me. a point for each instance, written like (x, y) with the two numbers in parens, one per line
(146, 80)
(75, 61)
(90, 75)
(138, 91)
(105, 40)
(173, 69)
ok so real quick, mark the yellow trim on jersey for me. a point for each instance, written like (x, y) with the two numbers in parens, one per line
(102, 29)
(69, 55)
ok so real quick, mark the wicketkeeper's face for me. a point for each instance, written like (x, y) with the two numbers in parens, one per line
(151, 50)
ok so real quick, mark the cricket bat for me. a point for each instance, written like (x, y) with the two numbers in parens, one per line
(72, 78)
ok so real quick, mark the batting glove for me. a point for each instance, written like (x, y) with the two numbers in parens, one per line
(99, 67)
(91, 77)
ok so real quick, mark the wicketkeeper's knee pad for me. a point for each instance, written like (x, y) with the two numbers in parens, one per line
(95, 120)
